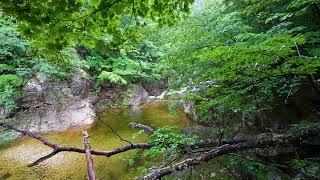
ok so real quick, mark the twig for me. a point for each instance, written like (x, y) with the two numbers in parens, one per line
(114, 131)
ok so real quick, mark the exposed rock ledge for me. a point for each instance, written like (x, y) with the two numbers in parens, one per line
(56, 106)
(58, 117)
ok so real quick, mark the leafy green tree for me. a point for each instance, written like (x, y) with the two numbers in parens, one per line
(249, 57)
(13, 63)
(133, 63)
(57, 24)
(18, 63)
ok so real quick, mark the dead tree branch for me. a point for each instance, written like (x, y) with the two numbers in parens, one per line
(145, 128)
(215, 143)
(114, 131)
(87, 148)
(57, 148)
(284, 141)
(30, 134)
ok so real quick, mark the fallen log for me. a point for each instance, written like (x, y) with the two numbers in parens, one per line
(214, 143)
(284, 141)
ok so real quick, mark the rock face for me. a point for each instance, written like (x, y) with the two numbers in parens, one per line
(156, 88)
(57, 117)
(56, 106)
(201, 131)
(81, 83)
(39, 92)
(188, 108)
(138, 96)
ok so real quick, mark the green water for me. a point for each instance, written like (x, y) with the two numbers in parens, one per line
(66, 165)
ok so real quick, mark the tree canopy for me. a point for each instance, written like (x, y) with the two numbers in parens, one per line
(58, 24)
(258, 54)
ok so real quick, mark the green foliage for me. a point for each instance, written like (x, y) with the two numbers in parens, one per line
(116, 51)
(135, 70)
(4, 143)
(312, 169)
(96, 63)
(7, 97)
(11, 45)
(57, 24)
(10, 80)
(301, 126)
(50, 71)
(165, 139)
(257, 169)
(259, 53)
(133, 157)
(173, 106)
(137, 134)
(12, 63)
(18, 63)
(142, 170)
(128, 64)
(110, 77)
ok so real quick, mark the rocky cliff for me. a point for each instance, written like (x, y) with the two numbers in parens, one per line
(56, 106)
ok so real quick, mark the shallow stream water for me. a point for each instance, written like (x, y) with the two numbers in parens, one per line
(68, 165)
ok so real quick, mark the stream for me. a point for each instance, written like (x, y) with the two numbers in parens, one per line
(67, 165)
